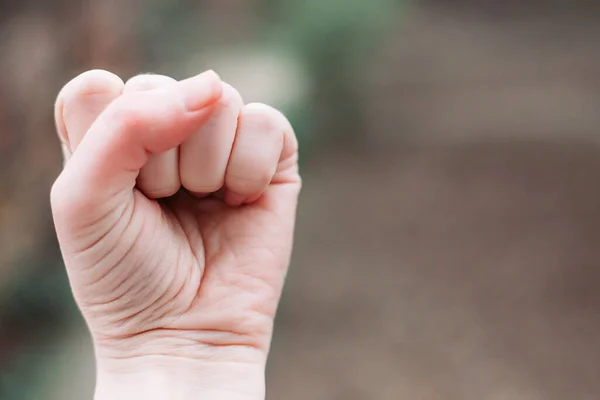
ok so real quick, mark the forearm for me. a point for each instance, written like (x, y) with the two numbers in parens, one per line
(180, 380)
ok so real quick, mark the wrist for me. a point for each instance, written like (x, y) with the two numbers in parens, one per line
(165, 377)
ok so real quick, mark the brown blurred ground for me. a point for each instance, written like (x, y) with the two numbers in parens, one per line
(450, 272)
(452, 253)
(464, 265)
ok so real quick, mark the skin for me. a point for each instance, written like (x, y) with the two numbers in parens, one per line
(175, 215)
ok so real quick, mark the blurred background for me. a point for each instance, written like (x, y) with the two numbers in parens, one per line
(448, 234)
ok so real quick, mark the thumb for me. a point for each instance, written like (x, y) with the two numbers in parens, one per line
(101, 174)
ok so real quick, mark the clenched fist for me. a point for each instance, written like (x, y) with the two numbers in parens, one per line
(175, 215)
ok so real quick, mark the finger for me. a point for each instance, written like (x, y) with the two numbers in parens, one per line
(102, 173)
(80, 102)
(256, 153)
(204, 155)
(160, 176)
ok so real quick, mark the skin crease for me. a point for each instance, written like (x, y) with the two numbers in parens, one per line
(179, 289)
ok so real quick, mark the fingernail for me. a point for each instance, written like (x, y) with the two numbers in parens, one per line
(201, 90)
(234, 199)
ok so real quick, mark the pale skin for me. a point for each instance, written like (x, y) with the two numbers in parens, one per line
(175, 214)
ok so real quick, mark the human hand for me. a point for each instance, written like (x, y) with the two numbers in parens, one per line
(175, 215)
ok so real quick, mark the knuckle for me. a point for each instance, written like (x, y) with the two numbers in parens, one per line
(126, 112)
(268, 119)
(231, 98)
(262, 117)
(92, 82)
(273, 122)
(147, 82)
(266, 111)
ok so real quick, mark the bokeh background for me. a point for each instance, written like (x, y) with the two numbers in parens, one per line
(449, 229)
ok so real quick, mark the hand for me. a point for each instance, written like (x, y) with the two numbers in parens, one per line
(175, 215)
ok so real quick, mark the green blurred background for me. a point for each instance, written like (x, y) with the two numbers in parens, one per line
(448, 229)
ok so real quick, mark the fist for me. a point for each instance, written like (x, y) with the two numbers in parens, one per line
(175, 215)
